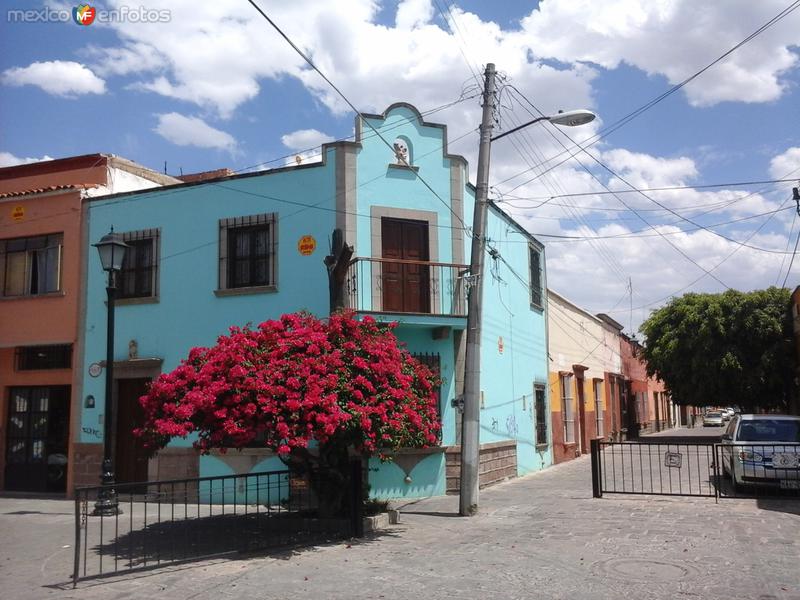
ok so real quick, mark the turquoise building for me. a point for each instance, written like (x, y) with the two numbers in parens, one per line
(246, 248)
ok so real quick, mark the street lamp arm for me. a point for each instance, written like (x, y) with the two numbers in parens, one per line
(505, 133)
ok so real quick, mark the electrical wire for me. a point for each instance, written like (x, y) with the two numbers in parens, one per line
(603, 133)
(355, 110)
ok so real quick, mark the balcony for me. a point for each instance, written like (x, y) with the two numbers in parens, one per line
(387, 285)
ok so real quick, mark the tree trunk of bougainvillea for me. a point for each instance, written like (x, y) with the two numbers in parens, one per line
(314, 391)
(328, 475)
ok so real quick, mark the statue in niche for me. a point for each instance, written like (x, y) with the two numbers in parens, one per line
(133, 350)
(401, 152)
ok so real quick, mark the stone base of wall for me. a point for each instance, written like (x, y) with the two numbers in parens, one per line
(85, 463)
(174, 463)
(498, 462)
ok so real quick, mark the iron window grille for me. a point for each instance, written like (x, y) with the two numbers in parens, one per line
(31, 266)
(569, 415)
(247, 251)
(535, 264)
(139, 275)
(541, 415)
(598, 407)
(432, 360)
(32, 358)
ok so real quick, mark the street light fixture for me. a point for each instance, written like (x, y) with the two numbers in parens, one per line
(570, 118)
(470, 423)
(112, 252)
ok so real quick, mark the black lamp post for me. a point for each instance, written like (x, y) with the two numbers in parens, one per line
(112, 251)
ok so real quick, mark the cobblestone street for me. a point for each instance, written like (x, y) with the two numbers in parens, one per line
(542, 536)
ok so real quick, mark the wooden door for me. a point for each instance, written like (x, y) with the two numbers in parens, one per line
(130, 458)
(406, 286)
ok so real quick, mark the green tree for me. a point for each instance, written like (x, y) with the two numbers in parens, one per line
(729, 349)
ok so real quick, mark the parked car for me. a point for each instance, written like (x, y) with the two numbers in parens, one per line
(762, 450)
(727, 413)
(713, 419)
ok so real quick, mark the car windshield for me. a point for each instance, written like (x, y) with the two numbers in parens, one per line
(713, 414)
(769, 430)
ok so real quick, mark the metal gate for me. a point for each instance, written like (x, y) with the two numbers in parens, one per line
(696, 468)
(654, 468)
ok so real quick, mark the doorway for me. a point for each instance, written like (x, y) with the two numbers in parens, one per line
(37, 433)
(405, 282)
(131, 457)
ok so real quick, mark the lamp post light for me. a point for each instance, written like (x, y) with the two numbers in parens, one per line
(112, 251)
(470, 423)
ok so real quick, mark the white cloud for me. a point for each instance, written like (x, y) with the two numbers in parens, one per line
(193, 131)
(305, 139)
(413, 13)
(59, 78)
(785, 164)
(9, 160)
(674, 39)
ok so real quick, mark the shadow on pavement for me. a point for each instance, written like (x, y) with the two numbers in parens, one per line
(177, 544)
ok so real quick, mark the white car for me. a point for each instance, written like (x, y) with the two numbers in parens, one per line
(713, 418)
(762, 450)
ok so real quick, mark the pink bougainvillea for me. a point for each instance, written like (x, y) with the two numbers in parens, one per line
(340, 382)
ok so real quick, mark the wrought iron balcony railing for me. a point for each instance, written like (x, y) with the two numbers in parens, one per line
(407, 286)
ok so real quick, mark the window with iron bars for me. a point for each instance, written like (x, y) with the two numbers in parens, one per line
(569, 413)
(247, 252)
(535, 264)
(598, 406)
(139, 275)
(31, 358)
(540, 406)
(432, 360)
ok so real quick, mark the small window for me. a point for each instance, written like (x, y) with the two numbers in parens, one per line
(30, 358)
(247, 252)
(535, 262)
(31, 266)
(139, 275)
(541, 416)
(598, 406)
(569, 413)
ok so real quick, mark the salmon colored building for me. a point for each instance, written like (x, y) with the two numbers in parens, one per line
(650, 408)
(43, 249)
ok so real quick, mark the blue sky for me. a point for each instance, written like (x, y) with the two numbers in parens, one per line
(204, 91)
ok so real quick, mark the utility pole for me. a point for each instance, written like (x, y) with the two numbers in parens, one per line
(470, 424)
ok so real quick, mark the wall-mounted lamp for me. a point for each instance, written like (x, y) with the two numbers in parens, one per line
(89, 401)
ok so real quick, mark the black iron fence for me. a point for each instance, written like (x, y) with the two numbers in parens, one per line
(163, 522)
(653, 468)
(695, 468)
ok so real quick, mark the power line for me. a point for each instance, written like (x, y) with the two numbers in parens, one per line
(656, 189)
(355, 110)
(645, 107)
(718, 265)
(621, 201)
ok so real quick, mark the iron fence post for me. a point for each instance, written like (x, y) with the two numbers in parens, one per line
(77, 560)
(597, 490)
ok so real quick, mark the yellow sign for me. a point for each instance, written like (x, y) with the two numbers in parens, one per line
(18, 213)
(306, 245)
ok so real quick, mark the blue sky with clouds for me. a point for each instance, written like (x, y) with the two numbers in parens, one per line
(210, 89)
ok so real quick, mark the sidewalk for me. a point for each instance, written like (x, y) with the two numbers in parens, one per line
(542, 536)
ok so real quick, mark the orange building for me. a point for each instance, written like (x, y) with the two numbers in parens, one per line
(42, 253)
